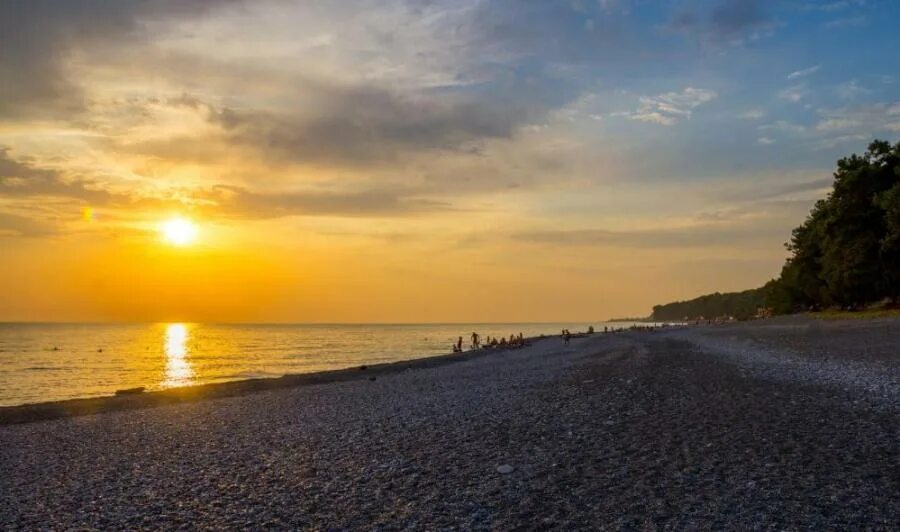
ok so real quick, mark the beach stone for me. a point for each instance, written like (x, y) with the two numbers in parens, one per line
(710, 434)
(505, 469)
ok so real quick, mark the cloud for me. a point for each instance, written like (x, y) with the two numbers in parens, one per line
(38, 38)
(833, 142)
(22, 180)
(836, 5)
(783, 126)
(19, 225)
(24, 190)
(851, 90)
(732, 22)
(758, 210)
(845, 22)
(869, 119)
(670, 107)
(803, 73)
(364, 124)
(238, 202)
(25, 184)
(788, 189)
(765, 141)
(752, 114)
(701, 235)
(794, 93)
(767, 191)
(855, 124)
(555, 32)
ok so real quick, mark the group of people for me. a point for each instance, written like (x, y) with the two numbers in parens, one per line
(519, 339)
(491, 342)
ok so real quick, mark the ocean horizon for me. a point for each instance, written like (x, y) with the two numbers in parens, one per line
(42, 361)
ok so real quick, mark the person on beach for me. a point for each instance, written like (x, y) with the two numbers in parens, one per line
(459, 345)
(475, 340)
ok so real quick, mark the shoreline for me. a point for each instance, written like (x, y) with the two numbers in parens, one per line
(76, 407)
(67, 408)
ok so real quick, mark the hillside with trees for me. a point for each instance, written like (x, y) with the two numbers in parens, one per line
(846, 254)
(741, 305)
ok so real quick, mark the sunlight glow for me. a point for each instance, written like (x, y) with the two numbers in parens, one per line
(178, 370)
(179, 231)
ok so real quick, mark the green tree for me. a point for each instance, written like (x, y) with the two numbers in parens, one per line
(847, 252)
(801, 276)
(889, 201)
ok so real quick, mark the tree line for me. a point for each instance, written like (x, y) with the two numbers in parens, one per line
(845, 254)
(741, 305)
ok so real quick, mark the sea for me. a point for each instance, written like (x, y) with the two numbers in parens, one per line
(48, 362)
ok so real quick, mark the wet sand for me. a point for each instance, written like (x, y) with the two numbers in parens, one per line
(787, 424)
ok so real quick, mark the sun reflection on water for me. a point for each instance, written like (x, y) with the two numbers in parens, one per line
(178, 370)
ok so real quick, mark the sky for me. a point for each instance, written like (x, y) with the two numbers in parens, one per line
(420, 160)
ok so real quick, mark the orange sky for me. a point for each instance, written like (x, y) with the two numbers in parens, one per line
(398, 161)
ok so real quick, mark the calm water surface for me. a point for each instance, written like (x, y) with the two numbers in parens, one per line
(47, 362)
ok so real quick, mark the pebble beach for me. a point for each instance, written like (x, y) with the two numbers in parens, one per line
(790, 423)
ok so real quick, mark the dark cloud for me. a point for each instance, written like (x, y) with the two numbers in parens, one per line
(724, 22)
(365, 124)
(568, 32)
(736, 16)
(506, 56)
(38, 37)
(22, 180)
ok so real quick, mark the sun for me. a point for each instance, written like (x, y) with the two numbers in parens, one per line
(179, 231)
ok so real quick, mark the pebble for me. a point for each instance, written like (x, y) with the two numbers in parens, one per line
(697, 444)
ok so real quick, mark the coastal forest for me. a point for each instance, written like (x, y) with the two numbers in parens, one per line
(846, 254)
